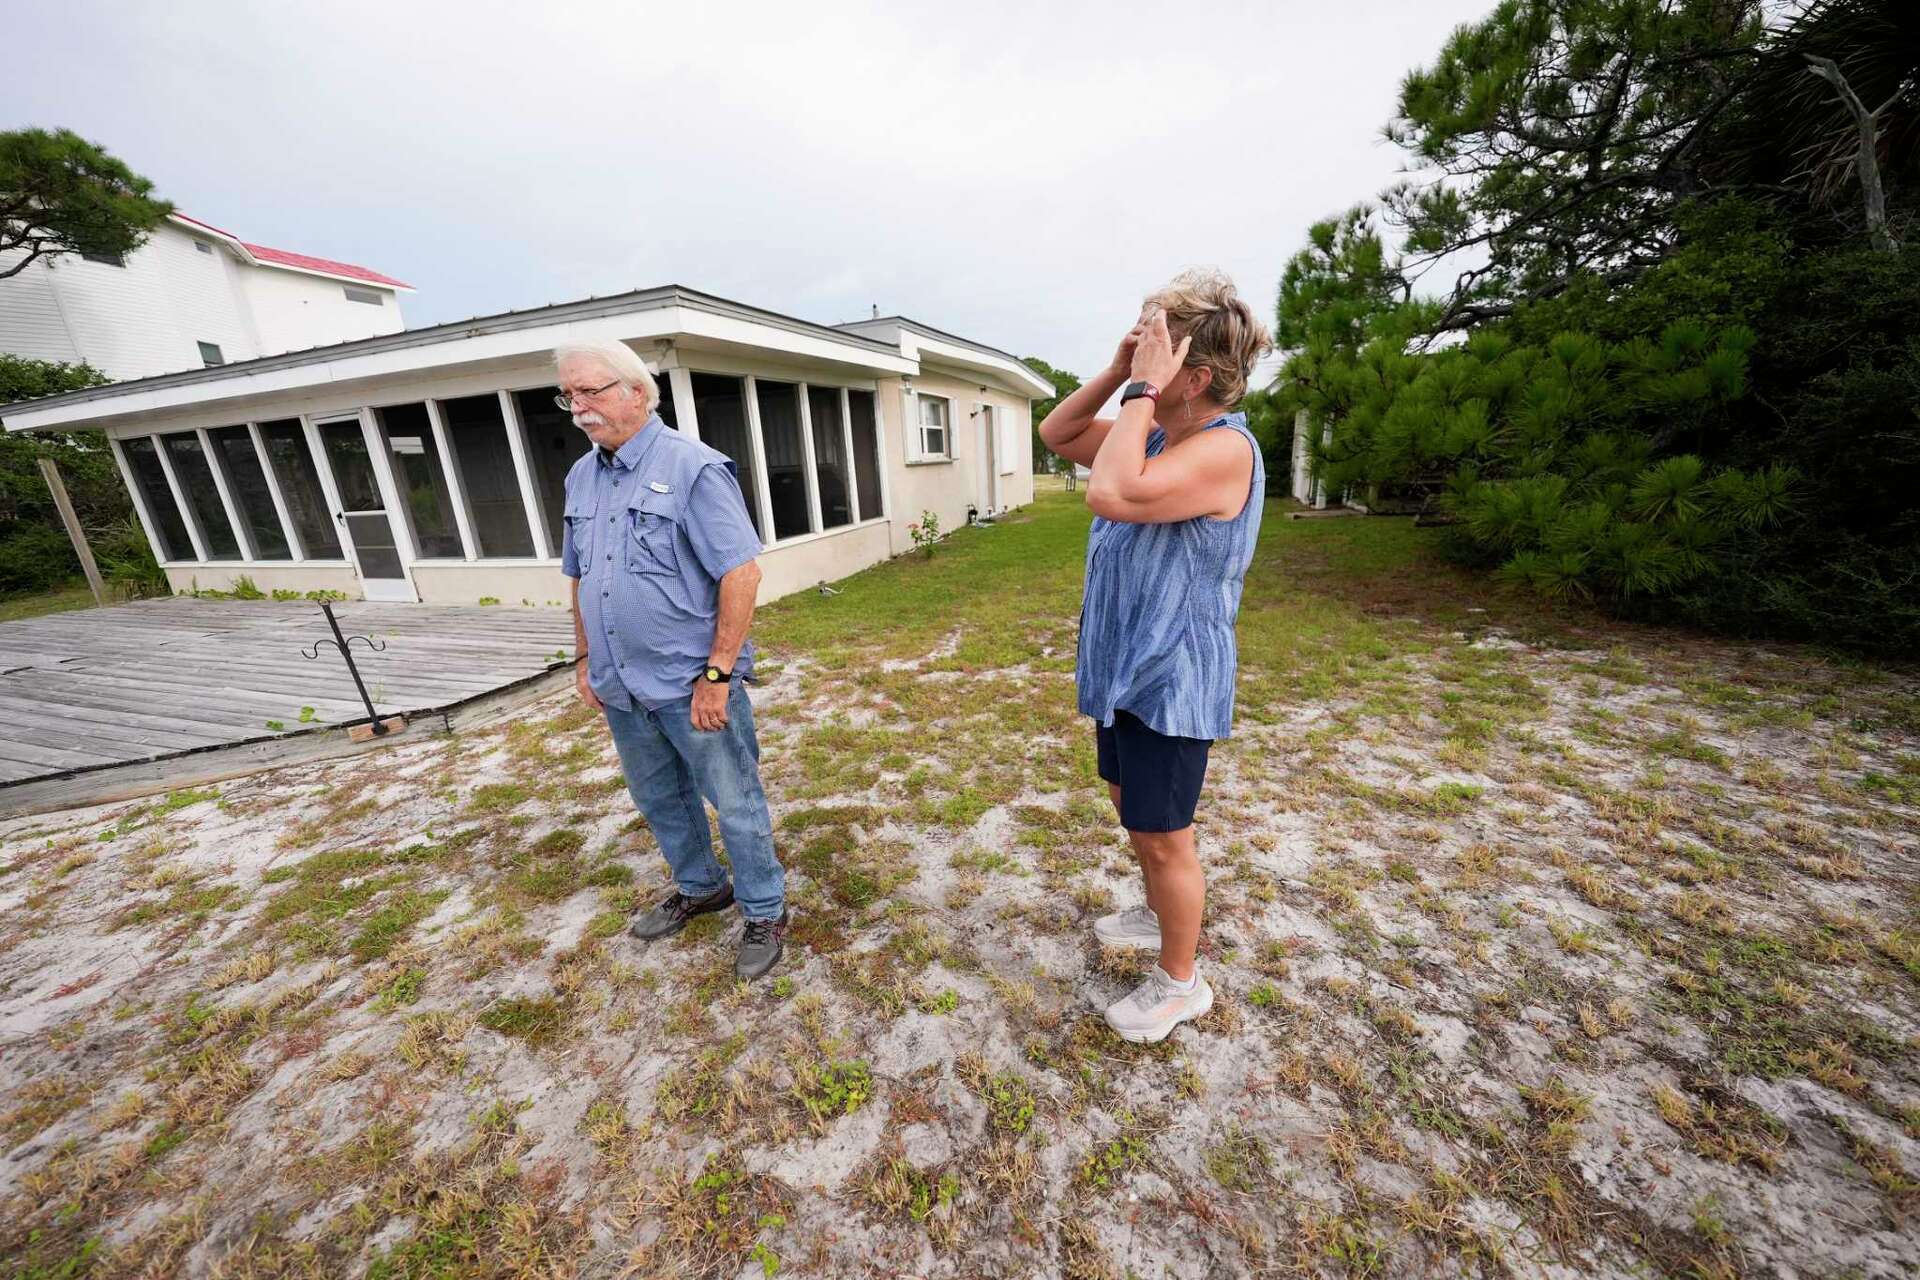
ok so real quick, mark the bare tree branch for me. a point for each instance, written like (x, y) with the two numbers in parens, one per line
(1867, 155)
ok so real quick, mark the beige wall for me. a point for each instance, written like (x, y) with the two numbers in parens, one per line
(277, 577)
(948, 488)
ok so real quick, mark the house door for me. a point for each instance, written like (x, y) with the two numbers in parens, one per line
(363, 515)
(989, 461)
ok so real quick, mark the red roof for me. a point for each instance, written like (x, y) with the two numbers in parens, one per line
(301, 261)
(283, 258)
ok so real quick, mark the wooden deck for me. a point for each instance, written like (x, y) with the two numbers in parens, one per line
(101, 689)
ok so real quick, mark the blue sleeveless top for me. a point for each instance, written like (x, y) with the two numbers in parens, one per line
(1156, 624)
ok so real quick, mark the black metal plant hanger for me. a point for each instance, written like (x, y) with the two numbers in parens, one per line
(343, 643)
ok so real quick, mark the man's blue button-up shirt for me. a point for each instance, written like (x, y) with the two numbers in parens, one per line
(650, 531)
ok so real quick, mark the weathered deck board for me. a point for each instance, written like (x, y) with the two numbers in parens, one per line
(139, 682)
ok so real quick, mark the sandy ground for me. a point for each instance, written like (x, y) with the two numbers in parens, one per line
(1531, 960)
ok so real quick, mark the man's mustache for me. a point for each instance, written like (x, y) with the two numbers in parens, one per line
(588, 419)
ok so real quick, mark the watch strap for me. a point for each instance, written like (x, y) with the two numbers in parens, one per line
(1140, 390)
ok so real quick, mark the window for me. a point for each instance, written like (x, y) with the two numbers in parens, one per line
(830, 477)
(300, 489)
(195, 477)
(422, 480)
(162, 512)
(719, 405)
(866, 453)
(247, 482)
(935, 414)
(367, 296)
(203, 246)
(554, 444)
(210, 354)
(107, 259)
(477, 438)
(786, 457)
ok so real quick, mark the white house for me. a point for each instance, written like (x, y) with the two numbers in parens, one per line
(428, 464)
(1302, 484)
(191, 296)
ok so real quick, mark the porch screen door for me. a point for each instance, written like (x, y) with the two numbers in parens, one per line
(363, 512)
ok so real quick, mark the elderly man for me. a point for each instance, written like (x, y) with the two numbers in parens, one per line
(661, 552)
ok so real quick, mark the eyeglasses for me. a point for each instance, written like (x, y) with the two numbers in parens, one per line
(566, 398)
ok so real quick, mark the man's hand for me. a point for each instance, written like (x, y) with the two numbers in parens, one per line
(710, 705)
(587, 695)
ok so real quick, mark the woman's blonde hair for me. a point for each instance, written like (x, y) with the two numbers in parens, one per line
(1228, 338)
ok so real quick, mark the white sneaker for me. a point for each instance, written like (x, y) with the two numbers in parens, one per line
(1157, 1006)
(1134, 927)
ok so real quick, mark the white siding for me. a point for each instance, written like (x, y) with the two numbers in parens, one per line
(296, 311)
(150, 316)
(30, 321)
(198, 292)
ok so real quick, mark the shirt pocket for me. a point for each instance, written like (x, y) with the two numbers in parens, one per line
(653, 528)
(579, 521)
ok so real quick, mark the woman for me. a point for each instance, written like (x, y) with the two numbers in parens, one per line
(1176, 493)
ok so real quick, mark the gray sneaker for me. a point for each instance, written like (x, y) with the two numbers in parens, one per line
(761, 943)
(671, 916)
(1134, 927)
(1156, 1007)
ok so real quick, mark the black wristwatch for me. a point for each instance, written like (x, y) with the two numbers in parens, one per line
(714, 675)
(1135, 390)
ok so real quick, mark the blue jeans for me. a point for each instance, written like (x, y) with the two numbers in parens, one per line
(671, 766)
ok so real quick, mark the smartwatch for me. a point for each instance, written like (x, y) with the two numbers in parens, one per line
(1136, 390)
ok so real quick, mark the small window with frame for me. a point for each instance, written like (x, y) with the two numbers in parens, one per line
(107, 259)
(210, 354)
(935, 417)
(368, 296)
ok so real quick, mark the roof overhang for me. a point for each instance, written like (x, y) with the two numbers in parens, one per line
(668, 313)
(922, 342)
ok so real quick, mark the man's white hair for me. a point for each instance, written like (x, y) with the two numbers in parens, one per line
(620, 360)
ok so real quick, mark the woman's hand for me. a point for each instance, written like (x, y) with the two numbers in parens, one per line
(1123, 358)
(1155, 358)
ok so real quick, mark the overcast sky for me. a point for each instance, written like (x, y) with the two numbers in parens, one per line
(1019, 175)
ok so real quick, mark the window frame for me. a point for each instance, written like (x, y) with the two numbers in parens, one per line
(923, 456)
(367, 297)
(218, 358)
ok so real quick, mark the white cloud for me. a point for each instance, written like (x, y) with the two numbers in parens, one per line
(1020, 174)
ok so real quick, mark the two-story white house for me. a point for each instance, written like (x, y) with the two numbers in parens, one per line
(193, 296)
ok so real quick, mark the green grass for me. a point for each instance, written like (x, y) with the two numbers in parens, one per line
(58, 600)
(907, 606)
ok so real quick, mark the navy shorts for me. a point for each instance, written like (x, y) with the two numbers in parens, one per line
(1159, 775)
